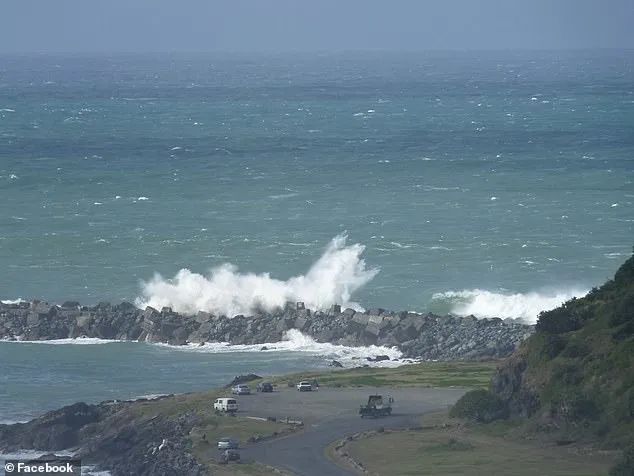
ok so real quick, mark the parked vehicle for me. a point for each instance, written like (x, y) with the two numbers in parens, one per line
(228, 443)
(265, 387)
(241, 389)
(377, 406)
(305, 386)
(229, 405)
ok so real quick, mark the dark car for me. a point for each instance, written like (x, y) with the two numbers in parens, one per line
(265, 387)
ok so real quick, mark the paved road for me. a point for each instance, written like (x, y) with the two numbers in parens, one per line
(331, 414)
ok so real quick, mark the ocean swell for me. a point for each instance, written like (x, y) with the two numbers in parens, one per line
(333, 278)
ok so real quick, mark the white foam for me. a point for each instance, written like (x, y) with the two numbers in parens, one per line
(333, 278)
(77, 340)
(141, 199)
(482, 303)
(295, 341)
(12, 301)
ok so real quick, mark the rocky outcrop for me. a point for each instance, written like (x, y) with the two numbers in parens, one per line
(421, 336)
(114, 435)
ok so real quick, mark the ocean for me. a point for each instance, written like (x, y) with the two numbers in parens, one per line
(494, 184)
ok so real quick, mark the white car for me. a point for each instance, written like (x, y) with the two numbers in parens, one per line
(241, 390)
(228, 444)
(305, 386)
(229, 405)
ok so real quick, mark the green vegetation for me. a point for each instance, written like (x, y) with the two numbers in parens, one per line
(210, 427)
(450, 449)
(480, 406)
(578, 368)
(427, 374)
(572, 382)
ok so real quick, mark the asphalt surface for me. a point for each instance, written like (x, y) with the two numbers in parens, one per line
(330, 414)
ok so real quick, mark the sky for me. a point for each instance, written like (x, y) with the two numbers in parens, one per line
(112, 26)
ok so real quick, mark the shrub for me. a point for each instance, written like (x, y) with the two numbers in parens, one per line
(479, 405)
(624, 311)
(559, 320)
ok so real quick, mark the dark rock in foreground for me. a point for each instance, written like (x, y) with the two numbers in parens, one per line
(114, 435)
(420, 336)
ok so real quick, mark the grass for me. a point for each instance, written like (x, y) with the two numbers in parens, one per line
(211, 427)
(456, 449)
(427, 374)
(205, 436)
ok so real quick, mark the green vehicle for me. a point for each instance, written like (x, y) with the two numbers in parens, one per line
(377, 406)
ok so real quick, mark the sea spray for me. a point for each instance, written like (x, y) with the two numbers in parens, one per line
(333, 278)
(482, 303)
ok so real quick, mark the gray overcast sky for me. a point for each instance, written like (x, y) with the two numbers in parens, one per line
(281, 25)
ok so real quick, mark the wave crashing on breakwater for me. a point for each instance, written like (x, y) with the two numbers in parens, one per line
(333, 278)
(526, 306)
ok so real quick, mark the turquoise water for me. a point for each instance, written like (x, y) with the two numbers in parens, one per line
(494, 184)
(507, 173)
(43, 377)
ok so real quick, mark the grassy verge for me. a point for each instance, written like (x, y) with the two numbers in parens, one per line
(204, 437)
(443, 447)
(427, 374)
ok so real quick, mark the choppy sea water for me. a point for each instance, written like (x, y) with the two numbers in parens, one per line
(493, 184)
(479, 173)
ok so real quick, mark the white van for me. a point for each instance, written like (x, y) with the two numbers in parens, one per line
(226, 405)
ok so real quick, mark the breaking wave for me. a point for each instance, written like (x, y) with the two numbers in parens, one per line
(333, 278)
(295, 341)
(481, 303)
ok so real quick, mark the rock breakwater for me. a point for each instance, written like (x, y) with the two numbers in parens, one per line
(420, 336)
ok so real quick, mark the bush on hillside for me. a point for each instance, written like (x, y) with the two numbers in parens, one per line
(624, 311)
(559, 320)
(479, 405)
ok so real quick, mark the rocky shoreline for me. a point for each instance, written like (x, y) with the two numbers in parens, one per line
(114, 435)
(418, 336)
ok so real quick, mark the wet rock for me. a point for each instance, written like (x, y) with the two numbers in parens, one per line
(238, 379)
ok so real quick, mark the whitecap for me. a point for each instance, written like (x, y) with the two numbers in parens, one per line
(283, 195)
(400, 245)
(141, 199)
(75, 341)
